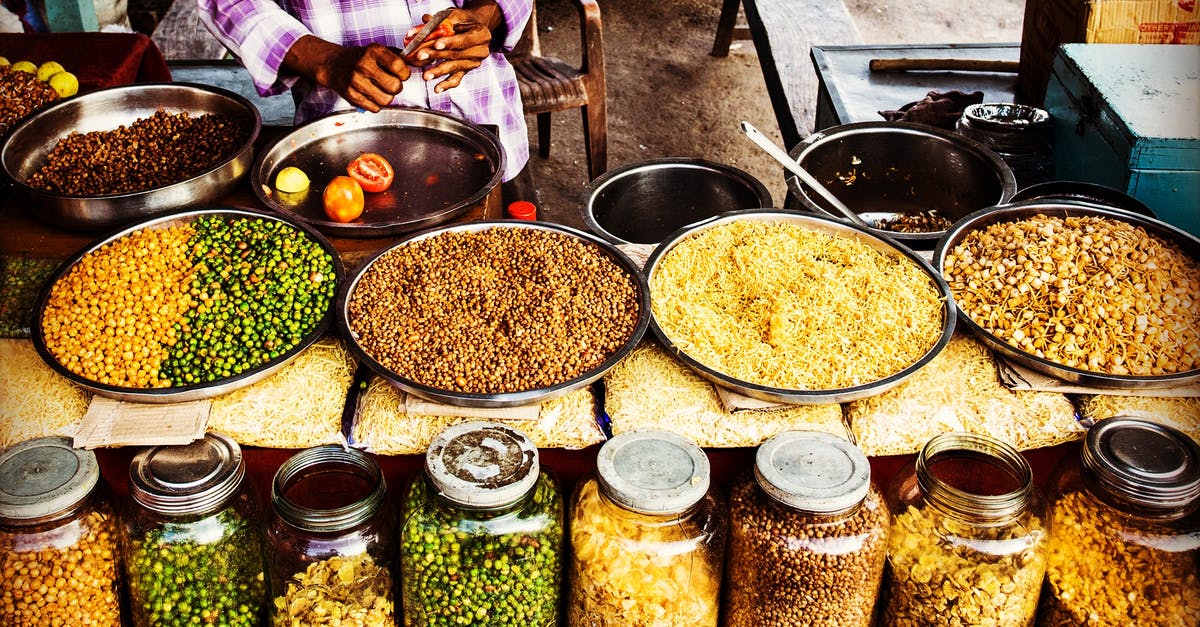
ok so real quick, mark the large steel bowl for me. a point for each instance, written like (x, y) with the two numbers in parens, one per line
(196, 391)
(26, 146)
(503, 399)
(820, 224)
(883, 169)
(444, 165)
(1018, 211)
(643, 202)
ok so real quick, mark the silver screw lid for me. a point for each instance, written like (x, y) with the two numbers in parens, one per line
(1143, 463)
(44, 477)
(186, 479)
(653, 472)
(482, 464)
(813, 471)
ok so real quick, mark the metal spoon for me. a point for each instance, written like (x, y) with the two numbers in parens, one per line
(782, 157)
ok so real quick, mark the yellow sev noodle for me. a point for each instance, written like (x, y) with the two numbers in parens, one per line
(785, 306)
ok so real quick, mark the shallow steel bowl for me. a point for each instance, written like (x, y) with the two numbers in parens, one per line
(884, 169)
(26, 146)
(502, 399)
(1018, 211)
(196, 391)
(820, 224)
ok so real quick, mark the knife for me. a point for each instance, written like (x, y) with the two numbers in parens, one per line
(428, 28)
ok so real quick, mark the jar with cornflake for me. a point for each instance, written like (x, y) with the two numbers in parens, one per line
(482, 533)
(969, 537)
(647, 536)
(1126, 544)
(193, 537)
(807, 535)
(58, 538)
(331, 540)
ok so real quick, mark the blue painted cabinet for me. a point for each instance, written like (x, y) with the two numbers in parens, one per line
(1128, 116)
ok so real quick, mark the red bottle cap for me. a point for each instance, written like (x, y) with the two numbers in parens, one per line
(522, 210)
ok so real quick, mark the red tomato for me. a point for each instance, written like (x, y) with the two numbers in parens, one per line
(343, 199)
(371, 171)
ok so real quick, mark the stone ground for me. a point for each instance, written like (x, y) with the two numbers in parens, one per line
(667, 97)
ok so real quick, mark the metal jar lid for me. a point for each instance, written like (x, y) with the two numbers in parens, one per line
(653, 472)
(195, 478)
(1143, 463)
(482, 464)
(348, 461)
(42, 478)
(813, 472)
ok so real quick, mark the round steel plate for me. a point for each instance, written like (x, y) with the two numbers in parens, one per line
(27, 144)
(821, 224)
(444, 167)
(503, 399)
(196, 391)
(1014, 212)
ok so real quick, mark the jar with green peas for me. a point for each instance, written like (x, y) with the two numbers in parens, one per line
(193, 537)
(482, 533)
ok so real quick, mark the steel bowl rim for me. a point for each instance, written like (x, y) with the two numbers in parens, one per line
(500, 399)
(340, 229)
(1019, 210)
(195, 391)
(596, 186)
(827, 224)
(1008, 181)
(242, 101)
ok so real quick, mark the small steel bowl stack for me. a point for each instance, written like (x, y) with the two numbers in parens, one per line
(1088, 280)
(27, 145)
(474, 281)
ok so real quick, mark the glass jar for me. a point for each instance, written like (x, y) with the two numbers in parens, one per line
(1126, 544)
(647, 536)
(58, 538)
(482, 532)
(331, 540)
(807, 535)
(193, 539)
(968, 538)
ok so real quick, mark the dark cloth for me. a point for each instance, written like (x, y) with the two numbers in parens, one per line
(98, 60)
(937, 109)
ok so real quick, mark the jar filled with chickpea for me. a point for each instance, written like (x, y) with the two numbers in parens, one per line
(807, 535)
(968, 538)
(59, 553)
(1126, 515)
(647, 536)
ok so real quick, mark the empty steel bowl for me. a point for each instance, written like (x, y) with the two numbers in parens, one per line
(644, 202)
(26, 146)
(885, 169)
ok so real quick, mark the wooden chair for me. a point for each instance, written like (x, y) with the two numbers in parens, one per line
(549, 84)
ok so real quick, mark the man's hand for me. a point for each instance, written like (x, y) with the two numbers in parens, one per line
(366, 77)
(452, 56)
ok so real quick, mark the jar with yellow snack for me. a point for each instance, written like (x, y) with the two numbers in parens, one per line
(331, 541)
(647, 536)
(1126, 544)
(58, 538)
(968, 538)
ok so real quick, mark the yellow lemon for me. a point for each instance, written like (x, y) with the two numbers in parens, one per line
(24, 66)
(4, 62)
(291, 180)
(65, 84)
(48, 69)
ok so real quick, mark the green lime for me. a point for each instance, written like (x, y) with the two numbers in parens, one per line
(48, 69)
(291, 180)
(24, 66)
(4, 62)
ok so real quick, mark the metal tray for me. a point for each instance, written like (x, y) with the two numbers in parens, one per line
(200, 390)
(503, 399)
(821, 224)
(1063, 208)
(444, 167)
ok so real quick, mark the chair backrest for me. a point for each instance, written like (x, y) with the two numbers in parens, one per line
(528, 45)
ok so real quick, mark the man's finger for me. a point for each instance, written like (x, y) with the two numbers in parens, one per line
(451, 82)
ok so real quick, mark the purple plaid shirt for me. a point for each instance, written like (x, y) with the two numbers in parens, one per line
(260, 32)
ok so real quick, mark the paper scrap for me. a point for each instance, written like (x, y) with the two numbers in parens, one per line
(110, 422)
